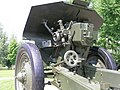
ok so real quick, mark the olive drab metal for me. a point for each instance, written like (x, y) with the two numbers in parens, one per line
(63, 55)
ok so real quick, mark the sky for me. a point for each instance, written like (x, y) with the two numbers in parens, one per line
(14, 14)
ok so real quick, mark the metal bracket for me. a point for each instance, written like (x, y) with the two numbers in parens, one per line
(103, 80)
(71, 81)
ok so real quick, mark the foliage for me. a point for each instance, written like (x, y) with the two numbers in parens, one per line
(7, 51)
(3, 46)
(110, 31)
(12, 51)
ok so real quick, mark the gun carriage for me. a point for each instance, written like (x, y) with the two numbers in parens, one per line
(64, 54)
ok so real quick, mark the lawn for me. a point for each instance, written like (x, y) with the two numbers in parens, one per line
(6, 84)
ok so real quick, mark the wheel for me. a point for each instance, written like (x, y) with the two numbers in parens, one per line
(29, 72)
(71, 58)
(100, 58)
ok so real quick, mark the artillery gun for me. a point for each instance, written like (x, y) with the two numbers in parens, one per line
(63, 54)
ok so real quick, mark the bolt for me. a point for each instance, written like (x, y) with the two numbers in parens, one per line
(58, 81)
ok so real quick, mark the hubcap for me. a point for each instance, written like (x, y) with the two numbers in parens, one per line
(23, 76)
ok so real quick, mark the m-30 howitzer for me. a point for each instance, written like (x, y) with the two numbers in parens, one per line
(63, 54)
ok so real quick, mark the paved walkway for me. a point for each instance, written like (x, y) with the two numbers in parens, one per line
(7, 78)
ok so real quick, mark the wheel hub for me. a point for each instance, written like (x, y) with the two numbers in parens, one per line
(21, 76)
(24, 76)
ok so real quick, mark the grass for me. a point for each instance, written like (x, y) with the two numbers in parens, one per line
(6, 84)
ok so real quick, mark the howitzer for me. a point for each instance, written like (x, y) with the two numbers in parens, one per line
(63, 54)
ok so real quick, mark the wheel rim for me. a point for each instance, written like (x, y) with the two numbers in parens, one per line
(97, 62)
(23, 72)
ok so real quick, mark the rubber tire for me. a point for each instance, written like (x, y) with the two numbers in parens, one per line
(36, 65)
(104, 56)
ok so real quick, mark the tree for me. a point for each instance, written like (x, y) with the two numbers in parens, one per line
(3, 46)
(12, 52)
(110, 31)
